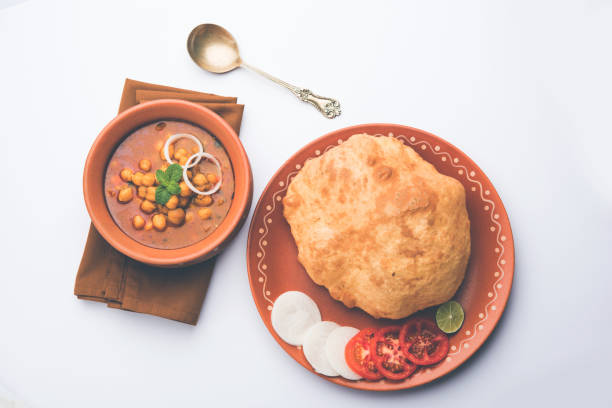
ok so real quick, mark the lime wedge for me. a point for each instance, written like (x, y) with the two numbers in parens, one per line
(449, 316)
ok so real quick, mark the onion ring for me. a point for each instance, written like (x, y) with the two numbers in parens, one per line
(174, 138)
(189, 165)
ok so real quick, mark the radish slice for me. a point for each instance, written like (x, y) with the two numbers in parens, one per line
(189, 165)
(334, 351)
(314, 347)
(176, 137)
(293, 314)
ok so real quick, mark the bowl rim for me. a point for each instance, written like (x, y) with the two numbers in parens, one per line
(198, 251)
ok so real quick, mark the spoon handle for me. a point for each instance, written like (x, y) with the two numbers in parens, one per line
(329, 107)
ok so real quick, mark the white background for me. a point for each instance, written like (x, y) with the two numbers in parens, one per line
(523, 87)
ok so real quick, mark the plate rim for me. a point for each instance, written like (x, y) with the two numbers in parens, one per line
(508, 272)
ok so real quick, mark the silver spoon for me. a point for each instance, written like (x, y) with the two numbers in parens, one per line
(214, 49)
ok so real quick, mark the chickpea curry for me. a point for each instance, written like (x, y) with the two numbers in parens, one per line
(169, 184)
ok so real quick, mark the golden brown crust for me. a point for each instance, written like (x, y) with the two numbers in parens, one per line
(379, 226)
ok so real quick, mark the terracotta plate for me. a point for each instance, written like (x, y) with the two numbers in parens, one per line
(273, 266)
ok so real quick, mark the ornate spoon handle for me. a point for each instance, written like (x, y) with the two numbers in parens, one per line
(329, 107)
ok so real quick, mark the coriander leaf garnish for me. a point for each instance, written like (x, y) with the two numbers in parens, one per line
(174, 188)
(168, 183)
(162, 195)
(175, 172)
(161, 177)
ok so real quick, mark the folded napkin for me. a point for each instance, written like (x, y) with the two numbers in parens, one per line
(106, 275)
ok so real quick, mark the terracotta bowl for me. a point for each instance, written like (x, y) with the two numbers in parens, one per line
(114, 133)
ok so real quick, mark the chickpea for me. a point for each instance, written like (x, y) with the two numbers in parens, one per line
(147, 206)
(150, 195)
(203, 200)
(142, 191)
(145, 164)
(212, 178)
(199, 179)
(185, 191)
(172, 202)
(138, 222)
(137, 178)
(183, 202)
(148, 179)
(159, 222)
(183, 160)
(165, 166)
(170, 152)
(176, 217)
(180, 153)
(149, 226)
(205, 213)
(125, 195)
(126, 175)
(188, 217)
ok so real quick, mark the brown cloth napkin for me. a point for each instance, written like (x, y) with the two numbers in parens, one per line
(106, 275)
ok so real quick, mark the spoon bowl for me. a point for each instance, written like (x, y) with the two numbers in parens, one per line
(213, 48)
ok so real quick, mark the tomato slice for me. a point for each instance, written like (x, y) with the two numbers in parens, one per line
(422, 342)
(359, 357)
(389, 357)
